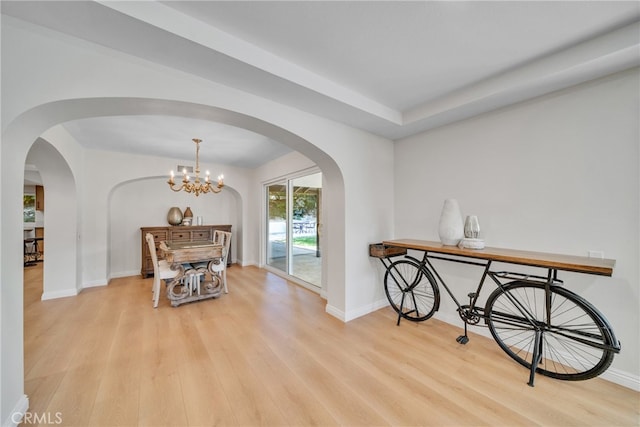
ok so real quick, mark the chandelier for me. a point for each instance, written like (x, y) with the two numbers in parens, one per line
(196, 186)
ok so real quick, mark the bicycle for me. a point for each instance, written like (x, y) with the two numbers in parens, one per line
(544, 327)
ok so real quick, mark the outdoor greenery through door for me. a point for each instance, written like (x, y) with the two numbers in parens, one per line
(293, 244)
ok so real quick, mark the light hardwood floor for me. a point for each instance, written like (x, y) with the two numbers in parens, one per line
(268, 354)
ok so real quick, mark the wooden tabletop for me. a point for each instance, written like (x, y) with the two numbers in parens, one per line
(186, 251)
(537, 259)
(173, 245)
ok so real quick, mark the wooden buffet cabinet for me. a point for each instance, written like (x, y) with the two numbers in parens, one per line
(178, 233)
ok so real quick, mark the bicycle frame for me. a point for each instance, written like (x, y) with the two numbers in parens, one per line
(471, 313)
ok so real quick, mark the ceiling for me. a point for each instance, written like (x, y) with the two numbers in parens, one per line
(391, 68)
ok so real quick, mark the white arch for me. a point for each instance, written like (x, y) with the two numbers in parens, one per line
(61, 264)
(229, 193)
(19, 135)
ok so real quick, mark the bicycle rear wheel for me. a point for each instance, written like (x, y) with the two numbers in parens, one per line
(411, 290)
(576, 342)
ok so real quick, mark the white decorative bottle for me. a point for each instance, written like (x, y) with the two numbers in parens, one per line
(471, 227)
(451, 227)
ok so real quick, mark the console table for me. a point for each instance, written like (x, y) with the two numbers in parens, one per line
(180, 233)
(539, 323)
(578, 264)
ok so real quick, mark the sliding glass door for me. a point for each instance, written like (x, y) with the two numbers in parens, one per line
(277, 230)
(293, 227)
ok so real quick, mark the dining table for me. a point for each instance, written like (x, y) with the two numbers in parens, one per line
(196, 279)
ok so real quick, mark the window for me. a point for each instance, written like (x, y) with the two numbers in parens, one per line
(29, 207)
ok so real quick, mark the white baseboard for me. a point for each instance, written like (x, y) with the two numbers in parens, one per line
(613, 375)
(244, 263)
(358, 312)
(20, 408)
(622, 378)
(337, 313)
(95, 283)
(125, 274)
(366, 309)
(59, 294)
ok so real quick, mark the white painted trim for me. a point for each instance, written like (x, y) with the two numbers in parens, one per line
(125, 274)
(622, 378)
(366, 309)
(613, 375)
(335, 312)
(95, 283)
(21, 406)
(59, 294)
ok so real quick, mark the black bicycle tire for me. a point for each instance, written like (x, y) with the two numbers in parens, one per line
(558, 369)
(391, 288)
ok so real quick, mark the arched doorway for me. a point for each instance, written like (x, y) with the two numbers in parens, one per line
(128, 212)
(61, 275)
(18, 137)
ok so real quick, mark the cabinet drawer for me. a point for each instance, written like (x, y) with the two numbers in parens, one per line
(159, 236)
(201, 235)
(180, 236)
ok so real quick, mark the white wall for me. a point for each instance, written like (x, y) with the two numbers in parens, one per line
(60, 222)
(145, 203)
(84, 80)
(129, 183)
(556, 174)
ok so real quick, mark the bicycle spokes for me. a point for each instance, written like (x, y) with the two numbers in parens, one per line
(411, 290)
(567, 342)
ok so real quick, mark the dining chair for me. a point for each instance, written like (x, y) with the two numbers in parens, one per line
(222, 238)
(161, 269)
(219, 266)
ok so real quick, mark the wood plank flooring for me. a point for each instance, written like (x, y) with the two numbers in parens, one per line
(268, 354)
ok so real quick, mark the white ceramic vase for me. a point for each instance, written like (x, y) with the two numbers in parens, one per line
(451, 227)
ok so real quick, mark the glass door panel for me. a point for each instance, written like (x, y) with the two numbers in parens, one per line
(305, 262)
(293, 241)
(277, 226)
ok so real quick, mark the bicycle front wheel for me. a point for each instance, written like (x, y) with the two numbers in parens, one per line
(575, 342)
(411, 290)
